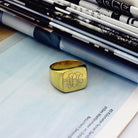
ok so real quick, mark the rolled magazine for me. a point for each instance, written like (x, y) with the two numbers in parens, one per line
(76, 48)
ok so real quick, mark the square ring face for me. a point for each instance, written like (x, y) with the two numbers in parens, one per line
(74, 79)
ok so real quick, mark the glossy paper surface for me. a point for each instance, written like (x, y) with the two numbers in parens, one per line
(30, 107)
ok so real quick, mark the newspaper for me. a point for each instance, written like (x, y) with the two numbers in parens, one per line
(30, 107)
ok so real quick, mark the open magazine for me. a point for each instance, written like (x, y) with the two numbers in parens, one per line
(30, 107)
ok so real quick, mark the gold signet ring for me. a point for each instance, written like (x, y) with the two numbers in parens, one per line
(68, 75)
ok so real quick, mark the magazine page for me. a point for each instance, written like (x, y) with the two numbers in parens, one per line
(30, 107)
(123, 124)
(131, 129)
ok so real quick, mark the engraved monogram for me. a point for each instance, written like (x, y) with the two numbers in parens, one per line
(73, 80)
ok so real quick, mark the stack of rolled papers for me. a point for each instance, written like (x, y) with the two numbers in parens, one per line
(103, 32)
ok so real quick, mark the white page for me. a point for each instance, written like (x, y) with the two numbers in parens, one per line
(30, 107)
(123, 118)
(131, 130)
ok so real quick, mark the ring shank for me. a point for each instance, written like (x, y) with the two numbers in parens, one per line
(66, 64)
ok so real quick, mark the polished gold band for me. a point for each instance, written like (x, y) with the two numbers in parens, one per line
(68, 75)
